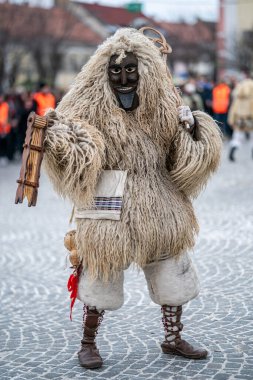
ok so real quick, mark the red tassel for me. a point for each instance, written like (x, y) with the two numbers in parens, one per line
(72, 287)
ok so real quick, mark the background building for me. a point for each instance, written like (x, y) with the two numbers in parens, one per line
(52, 44)
(235, 38)
(194, 47)
(42, 44)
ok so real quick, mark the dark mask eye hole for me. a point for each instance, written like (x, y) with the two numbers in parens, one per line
(131, 69)
(115, 70)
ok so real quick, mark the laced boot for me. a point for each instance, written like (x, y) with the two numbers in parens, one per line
(173, 343)
(89, 356)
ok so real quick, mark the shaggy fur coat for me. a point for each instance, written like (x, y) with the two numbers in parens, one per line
(165, 166)
(242, 104)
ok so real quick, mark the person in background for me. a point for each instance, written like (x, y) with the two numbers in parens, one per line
(44, 99)
(220, 103)
(190, 96)
(13, 101)
(240, 116)
(205, 88)
(5, 129)
(26, 105)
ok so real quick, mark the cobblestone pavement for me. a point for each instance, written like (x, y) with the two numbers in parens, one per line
(37, 339)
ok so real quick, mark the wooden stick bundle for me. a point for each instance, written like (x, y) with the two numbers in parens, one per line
(31, 159)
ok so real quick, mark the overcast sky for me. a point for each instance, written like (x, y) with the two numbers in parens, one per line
(172, 10)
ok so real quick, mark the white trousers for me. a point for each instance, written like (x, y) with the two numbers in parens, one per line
(238, 138)
(172, 282)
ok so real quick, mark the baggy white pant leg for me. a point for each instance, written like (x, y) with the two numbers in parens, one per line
(251, 139)
(173, 281)
(103, 296)
(237, 139)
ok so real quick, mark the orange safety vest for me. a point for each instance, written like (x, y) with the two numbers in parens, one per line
(221, 98)
(5, 126)
(44, 101)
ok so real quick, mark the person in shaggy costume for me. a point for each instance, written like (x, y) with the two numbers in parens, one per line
(117, 148)
(240, 116)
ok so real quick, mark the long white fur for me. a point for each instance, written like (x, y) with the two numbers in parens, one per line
(166, 167)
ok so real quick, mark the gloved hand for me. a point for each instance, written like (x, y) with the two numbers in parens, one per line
(186, 116)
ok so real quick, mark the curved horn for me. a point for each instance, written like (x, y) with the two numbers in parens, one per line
(164, 48)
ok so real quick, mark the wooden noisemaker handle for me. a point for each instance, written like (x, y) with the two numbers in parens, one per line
(31, 159)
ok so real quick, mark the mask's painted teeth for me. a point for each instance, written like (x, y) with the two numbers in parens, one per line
(124, 88)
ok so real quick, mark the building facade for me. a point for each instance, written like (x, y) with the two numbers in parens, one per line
(234, 38)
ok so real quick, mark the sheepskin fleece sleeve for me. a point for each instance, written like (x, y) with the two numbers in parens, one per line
(232, 114)
(191, 162)
(73, 158)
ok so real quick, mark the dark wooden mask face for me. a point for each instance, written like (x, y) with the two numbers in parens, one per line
(123, 79)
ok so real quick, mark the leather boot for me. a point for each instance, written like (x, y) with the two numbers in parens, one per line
(89, 356)
(173, 343)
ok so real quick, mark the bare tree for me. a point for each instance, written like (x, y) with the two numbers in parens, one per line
(41, 33)
(5, 38)
(12, 44)
(53, 30)
(244, 52)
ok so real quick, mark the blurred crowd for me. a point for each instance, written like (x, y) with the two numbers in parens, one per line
(214, 98)
(14, 110)
(198, 93)
(229, 102)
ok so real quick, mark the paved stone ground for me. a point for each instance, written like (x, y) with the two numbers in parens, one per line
(37, 339)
